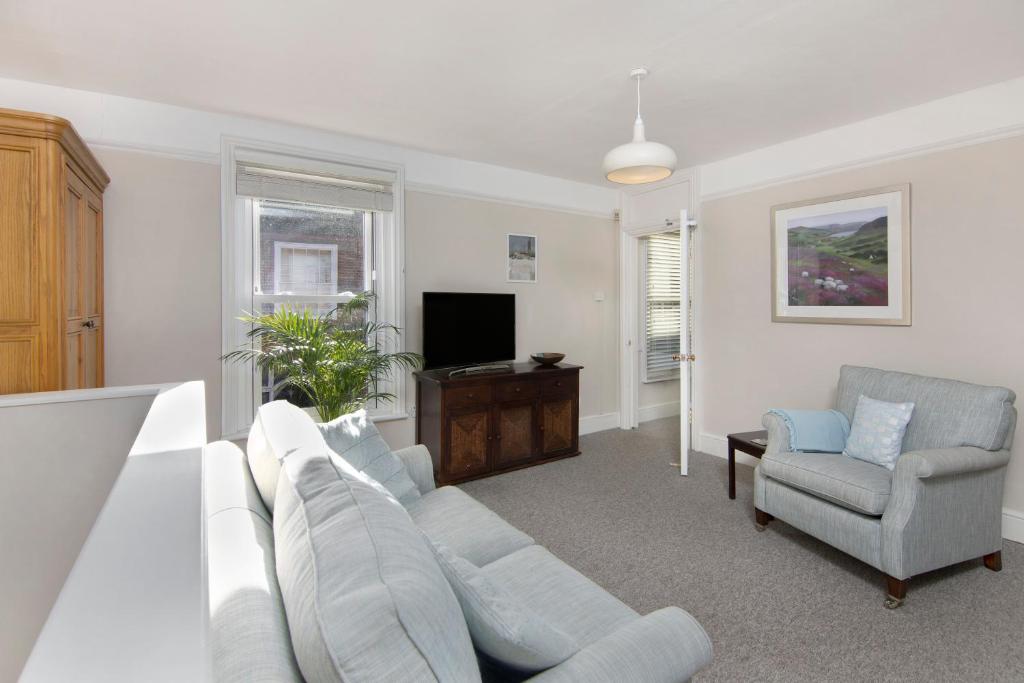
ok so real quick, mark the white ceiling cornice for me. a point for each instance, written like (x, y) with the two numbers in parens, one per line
(983, 114)
(131, 124)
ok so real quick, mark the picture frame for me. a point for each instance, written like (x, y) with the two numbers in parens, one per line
(843, 259)
(521, 258)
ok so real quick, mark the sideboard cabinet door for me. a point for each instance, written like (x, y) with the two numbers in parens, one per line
(468, 443)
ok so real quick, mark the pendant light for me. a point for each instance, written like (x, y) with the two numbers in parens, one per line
(639, 161)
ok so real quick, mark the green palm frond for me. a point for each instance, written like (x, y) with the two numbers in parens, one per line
(337, 359)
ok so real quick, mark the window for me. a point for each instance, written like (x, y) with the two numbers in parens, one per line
(306, 233)
(660, 288)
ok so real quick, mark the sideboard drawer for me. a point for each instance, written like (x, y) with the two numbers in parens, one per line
(563, 385)
(459, 397)
(510, 391)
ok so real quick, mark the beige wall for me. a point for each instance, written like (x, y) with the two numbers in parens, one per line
(162, 284)
(967, 217)
(456, 244)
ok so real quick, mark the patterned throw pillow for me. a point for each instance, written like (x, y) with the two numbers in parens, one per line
(877, 432)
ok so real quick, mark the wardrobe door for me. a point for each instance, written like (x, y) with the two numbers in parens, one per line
(92, 290)
(83, 284)
(74, 339)
(23, 328)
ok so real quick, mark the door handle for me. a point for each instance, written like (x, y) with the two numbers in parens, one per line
(89, 324)
(681, 357)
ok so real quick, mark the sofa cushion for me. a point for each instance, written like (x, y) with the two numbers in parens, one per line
(560, 595)
(947, 413)
(364, 596)
(877, 432)
(451, 516)
(356, 439)
(855, 484)
(500, 625)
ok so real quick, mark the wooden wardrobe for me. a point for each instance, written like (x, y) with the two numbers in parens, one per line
(51, 256)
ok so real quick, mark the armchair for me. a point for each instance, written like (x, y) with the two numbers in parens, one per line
(941, 505)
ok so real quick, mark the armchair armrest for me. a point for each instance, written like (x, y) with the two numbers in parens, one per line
(419, 466)
(778, 433)
(940, 462)
(666, 646)
(935, 517)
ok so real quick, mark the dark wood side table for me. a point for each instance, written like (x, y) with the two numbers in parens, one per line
(743, 442)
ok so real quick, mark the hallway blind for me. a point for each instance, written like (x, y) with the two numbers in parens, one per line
(663, 316)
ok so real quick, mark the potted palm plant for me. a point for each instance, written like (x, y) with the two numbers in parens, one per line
(336, 361)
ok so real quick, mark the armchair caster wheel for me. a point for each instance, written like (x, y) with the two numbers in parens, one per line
(759, 527)
(892, 603)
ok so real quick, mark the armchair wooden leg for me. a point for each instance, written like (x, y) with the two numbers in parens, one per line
(994, 561)
(761, 519)
(896, 590)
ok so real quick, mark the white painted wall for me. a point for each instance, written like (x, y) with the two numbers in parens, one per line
(134, 605)
(61, 453)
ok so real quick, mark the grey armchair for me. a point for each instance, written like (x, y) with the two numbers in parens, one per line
(941, 505)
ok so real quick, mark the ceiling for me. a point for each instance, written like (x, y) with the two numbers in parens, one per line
(539, 85)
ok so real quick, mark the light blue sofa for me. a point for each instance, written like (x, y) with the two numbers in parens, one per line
(941, 505)
(384, 618)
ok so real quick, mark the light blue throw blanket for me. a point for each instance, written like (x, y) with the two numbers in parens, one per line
(820, 431)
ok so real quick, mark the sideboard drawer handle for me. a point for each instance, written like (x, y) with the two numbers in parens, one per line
(558, 383)
(518, 389)
(470, 395)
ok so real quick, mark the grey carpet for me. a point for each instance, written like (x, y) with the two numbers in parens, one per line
(779, 605)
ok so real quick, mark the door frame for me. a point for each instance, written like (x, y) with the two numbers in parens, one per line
(629, 292)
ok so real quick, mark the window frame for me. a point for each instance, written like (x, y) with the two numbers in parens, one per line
(669, 375)
(240, 390)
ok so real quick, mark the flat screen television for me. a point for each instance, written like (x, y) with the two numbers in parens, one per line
(468, 329)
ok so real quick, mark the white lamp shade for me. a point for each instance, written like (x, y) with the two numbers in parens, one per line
(639, 162)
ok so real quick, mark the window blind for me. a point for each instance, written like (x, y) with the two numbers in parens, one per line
(362, 190)
(661, 303)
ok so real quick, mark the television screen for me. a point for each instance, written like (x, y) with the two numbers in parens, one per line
(468, 329)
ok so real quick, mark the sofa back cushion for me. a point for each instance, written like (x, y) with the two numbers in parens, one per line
(947, 413)
(364, 596)
(278, 430)
(356, 439)
(501, 625)
(249, 636)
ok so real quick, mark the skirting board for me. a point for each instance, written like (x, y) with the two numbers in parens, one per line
(1013, 520)
(599, 423)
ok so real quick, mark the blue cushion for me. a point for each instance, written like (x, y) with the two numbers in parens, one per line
(877, 432)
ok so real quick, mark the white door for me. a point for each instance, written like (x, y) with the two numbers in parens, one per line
(685, 354)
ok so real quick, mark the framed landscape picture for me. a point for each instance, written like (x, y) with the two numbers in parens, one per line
(843, 259)
(522, 258)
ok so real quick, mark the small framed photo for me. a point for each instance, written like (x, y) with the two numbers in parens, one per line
(843, 259)
(521, 265)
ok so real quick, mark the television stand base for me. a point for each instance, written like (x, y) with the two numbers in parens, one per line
(481, 369)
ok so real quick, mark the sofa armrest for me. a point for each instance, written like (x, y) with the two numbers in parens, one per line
(666, 646)
(419, 466)
(940, 462)
(778, 433)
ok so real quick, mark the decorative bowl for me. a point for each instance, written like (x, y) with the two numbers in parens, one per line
(547, 358)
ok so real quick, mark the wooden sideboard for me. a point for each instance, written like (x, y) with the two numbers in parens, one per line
(478, 425)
